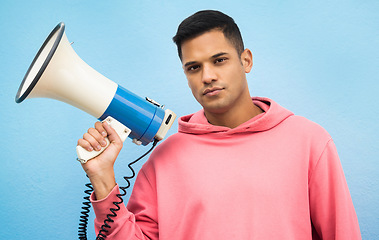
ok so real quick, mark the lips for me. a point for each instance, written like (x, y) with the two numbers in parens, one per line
(212, 91)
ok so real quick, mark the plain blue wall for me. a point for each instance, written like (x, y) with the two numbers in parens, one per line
(317, 58)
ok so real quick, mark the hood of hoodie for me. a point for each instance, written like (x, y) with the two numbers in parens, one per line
(273, 115)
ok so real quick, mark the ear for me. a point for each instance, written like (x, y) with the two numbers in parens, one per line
(247, 60)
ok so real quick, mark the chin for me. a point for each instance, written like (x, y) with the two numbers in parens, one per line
(216, 108)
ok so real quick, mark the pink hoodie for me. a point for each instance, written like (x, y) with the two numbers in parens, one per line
(277, 176)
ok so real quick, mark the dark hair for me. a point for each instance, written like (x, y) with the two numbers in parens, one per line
(204, 21)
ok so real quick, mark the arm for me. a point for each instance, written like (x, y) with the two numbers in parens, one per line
(332, 211)
(125, 225)
(101, 174)
(100, 169)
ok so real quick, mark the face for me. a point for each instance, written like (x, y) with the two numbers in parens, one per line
(215, 72)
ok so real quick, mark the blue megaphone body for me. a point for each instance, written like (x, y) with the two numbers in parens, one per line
(57, 72)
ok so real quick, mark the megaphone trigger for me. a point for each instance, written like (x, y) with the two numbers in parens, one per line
(122, 131)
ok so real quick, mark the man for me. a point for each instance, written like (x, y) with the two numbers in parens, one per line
(241, 168)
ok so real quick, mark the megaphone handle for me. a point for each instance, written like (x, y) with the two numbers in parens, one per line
(122, 131)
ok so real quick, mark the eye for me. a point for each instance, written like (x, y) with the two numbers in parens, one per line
(220, 60)
(193, 68)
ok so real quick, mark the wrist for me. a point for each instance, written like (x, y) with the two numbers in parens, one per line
(103, 185)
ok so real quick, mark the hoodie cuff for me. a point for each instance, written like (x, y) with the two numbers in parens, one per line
(102, 207)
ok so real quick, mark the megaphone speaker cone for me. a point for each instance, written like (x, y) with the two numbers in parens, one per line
(40, 62)
(57, 72)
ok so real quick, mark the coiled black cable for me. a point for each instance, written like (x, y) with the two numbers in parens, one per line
(82, 232)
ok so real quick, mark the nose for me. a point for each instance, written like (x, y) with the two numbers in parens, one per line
(209, 74)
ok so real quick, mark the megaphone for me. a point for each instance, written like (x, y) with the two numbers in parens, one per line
(57, 72)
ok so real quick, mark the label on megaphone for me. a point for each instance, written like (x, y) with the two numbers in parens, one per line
(122, 131)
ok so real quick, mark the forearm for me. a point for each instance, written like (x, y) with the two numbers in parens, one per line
(103, 184)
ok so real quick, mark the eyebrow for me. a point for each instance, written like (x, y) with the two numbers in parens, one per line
(213, 56)
(219, 54)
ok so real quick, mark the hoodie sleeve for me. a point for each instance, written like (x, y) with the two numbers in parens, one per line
(126, 225)
(332, 211)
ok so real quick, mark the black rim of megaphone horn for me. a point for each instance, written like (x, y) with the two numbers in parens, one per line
(60, 28)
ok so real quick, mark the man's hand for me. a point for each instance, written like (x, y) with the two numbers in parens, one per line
(100, 169)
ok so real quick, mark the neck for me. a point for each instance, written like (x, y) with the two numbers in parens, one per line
(235, 116)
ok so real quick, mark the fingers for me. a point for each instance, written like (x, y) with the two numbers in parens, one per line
(94, 138)
(112, 134)
(84, 144)
(99, 127)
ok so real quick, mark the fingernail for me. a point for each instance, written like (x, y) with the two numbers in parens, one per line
(98, 148)
(89, 149)
(104, 134)
(103, 143)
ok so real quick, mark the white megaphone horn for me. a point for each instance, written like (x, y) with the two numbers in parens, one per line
(57, 72)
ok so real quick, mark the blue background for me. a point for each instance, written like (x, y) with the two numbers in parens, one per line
(316, 58)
